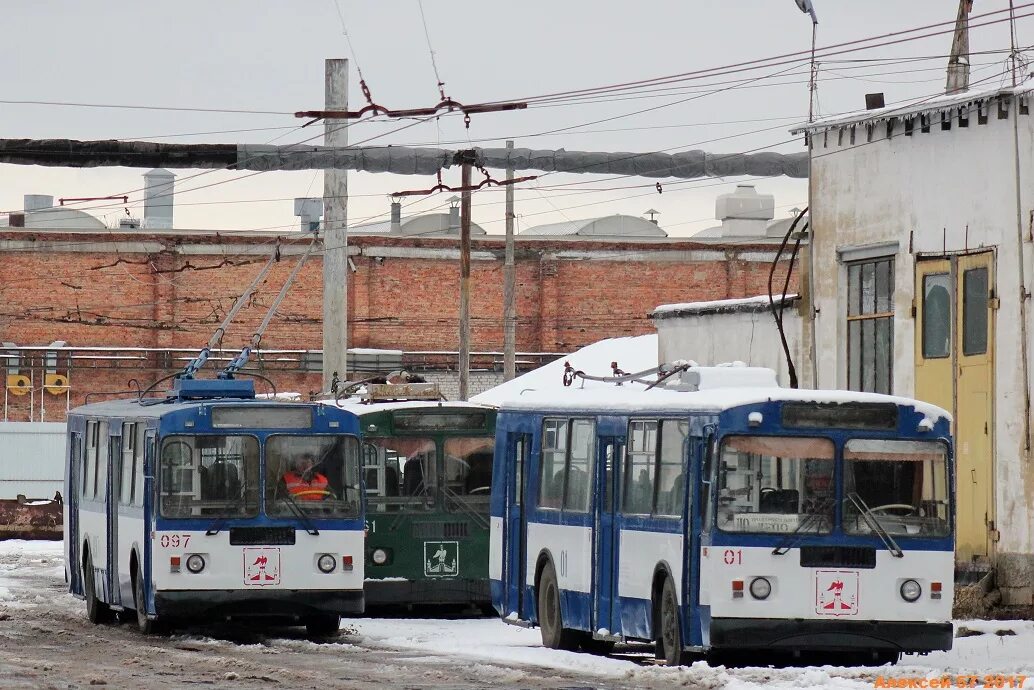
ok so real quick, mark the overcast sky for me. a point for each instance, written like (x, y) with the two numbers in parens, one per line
(268, 56)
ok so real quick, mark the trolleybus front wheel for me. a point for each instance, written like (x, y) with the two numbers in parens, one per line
(551, 622)
(323, 625)
(147, 626)
(96, 610)
(669, 630)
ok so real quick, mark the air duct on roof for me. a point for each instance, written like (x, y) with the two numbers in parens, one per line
(310, 211)
(37, 202)
(158, 192)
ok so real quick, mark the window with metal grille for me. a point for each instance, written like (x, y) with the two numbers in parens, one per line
(870, 325)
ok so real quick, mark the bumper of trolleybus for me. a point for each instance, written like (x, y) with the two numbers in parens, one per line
(260, 604)
(397, 592)
(797, 634)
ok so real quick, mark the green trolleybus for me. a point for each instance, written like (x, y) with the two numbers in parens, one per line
(427, 467)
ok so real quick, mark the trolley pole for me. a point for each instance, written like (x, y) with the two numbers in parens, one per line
(464, 364)
(335, 233)
(509, 286)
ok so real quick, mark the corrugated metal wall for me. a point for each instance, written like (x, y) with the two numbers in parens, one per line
(32, 459)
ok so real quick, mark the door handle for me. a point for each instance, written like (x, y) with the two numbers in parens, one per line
(973, 475)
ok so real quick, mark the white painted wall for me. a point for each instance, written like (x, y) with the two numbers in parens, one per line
(952, 190)
(32, 459)
(749, 337)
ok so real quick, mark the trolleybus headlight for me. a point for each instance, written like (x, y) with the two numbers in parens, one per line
(379, 556)
(910, 590)
(195, 563)
(326, 563)
(760, 588)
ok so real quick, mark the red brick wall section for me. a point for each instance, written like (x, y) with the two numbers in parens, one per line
(169, 299)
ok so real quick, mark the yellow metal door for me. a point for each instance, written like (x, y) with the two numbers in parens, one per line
(935, 330)
(974, 348)
(954, 369)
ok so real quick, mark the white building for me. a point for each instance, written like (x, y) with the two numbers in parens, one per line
(922, 275)
(729, 330)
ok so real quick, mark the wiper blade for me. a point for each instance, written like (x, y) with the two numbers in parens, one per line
(787, 543)
(466, 507)
(307, 522)
(215, 528)
(875, 525)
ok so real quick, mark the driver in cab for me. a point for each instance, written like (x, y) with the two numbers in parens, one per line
(303, 481)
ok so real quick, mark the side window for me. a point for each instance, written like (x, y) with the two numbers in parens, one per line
(90, 463)
(640, 457)
(126, 474)
(146, 447)
(870, 325)
(551, 474)
(520, 454)
(136, 491)
(671, 468)
(76, 460)
(101, 462)
(655, 467)
(579, 465)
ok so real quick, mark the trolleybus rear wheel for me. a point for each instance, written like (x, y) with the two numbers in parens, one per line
(669, 630)
(323, 625)
(551, 622)
(96, 610)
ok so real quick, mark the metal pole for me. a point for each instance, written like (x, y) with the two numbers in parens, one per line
(509, 287)
(464, 364)
(335, 233)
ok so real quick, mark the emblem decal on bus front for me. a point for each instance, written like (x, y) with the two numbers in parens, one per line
(441, 558)
(261, 567)
(836, 592)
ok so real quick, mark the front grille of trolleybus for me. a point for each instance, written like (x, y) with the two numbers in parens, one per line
(261, 536)
(440, 530)
(838, 557)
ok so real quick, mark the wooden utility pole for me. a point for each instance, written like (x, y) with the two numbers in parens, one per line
(509, 287)
(464, 363)
(335, 234)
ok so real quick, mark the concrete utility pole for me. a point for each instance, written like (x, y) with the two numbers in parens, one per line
(335, 234)
(509, 287)
(464, 364)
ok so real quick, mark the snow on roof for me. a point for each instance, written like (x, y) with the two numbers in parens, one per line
(632, 354)
(935, 104)
(632, 397)
(744, 304)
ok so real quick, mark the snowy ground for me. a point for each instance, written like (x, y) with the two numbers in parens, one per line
(45, 641)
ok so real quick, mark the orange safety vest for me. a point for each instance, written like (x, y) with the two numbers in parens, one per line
(313, 490)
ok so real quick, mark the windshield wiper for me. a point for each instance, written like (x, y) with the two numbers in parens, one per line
(875, 526)
(466, 507)
(307, 522)
(787, 543)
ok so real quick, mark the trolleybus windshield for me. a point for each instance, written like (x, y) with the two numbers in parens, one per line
(315, 474)
(468, 473)
(902, 484)
(401, 473)
(775, 484)
(209, 476)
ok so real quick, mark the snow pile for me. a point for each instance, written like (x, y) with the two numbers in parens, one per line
(632, 354)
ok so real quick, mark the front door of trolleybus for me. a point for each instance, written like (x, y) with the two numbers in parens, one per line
(517, 552)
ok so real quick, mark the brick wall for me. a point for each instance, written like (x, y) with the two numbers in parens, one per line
(139, 289)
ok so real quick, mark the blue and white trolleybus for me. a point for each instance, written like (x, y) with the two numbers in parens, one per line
(177, 508)
(725, 514)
